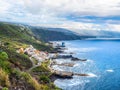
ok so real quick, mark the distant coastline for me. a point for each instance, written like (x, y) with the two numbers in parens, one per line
(102, 39)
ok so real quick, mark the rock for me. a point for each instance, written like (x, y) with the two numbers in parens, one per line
(62, 57)
(81, 74)
(77, 59)
(63, 74)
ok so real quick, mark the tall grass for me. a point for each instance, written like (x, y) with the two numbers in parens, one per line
(4, 78)
(31, 80)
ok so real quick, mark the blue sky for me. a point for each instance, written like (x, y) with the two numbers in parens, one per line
(75, 15)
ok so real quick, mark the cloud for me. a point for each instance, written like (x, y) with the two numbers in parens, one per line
(77, 7)
(71, 14)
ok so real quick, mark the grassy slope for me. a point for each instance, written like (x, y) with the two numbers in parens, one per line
(47, 35)
(16, 65)
(15, 34)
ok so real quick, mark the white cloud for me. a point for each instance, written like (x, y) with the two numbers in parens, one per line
(80, 7)
(53, 13)
(80, 26)
(4, 6)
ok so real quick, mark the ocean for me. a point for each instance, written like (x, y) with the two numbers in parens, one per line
(103, 65)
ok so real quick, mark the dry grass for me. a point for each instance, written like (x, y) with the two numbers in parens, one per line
(4, 78)
(31, 81)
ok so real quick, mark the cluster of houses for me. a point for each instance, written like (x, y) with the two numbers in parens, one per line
(34, 53)
(40, 56)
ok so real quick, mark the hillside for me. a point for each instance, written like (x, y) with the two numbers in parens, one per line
(14, 33)
(99, 33)
(15, 68)
(55, 34)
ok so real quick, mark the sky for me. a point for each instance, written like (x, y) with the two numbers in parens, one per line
(75, 15)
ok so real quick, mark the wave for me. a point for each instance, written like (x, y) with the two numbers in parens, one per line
(92, 75)
(72, 84)
(55, 67)
(110, 70)
(76, 65)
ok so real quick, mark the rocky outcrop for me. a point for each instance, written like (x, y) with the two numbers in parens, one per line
(77, 59)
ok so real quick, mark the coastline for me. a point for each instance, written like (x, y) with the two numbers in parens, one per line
(47, 61)
(57, 74)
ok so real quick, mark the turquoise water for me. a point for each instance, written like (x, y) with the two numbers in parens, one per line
(103, 65)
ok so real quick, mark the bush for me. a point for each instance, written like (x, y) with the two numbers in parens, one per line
(5, 88)
(3, 55)
(44, 79)
(4, 63)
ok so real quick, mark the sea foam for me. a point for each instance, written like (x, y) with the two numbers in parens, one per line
(92, 75)
(110, 70)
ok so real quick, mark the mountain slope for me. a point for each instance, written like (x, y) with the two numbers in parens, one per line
(55, 34)
(99, 33)
(21, 34)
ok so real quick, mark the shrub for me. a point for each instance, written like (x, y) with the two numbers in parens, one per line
(3, 55)
(5, 88)
(4, 63)
(44, 79)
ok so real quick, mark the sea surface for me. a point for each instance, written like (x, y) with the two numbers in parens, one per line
(103, 65)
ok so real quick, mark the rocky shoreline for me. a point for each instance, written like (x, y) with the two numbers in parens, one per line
(59, 55)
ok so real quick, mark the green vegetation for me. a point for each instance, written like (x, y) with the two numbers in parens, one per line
(36, 85)
(15, 36)
(43, 75)
(14, 67)
(44, 79)
(3, 55)
(50, 35)
(42, 68)
(17, 60)
(4, 63)
(5, 88)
